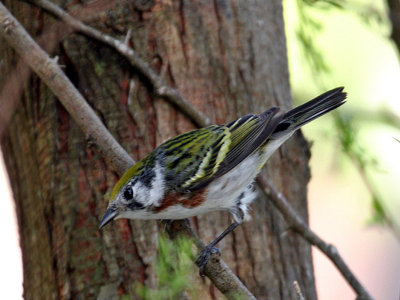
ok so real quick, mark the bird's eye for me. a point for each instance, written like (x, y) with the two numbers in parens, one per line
(128, 193)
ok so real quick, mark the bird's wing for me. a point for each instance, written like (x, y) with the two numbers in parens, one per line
(195, 158)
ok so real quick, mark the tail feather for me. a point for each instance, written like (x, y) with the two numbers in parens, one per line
(311, 110)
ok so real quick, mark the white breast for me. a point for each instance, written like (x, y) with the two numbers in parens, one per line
(224, 191)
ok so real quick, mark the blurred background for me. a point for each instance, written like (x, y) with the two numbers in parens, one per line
(355, 163)
(354, 191)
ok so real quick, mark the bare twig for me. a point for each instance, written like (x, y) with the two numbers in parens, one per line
(298, 290)
(13, 88)
(161, 89)
(159, 85)
(48, 70)
(298, 225)
(216, 269)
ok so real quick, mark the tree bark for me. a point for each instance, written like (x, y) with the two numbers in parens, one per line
(228, 58)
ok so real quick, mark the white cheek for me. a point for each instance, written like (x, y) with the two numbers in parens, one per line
(150, 196)
(140, 192)
(158, 186)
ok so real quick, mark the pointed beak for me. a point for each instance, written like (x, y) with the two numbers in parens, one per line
(108, 217)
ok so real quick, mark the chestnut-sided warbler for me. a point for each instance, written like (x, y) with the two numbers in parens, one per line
(211, 168)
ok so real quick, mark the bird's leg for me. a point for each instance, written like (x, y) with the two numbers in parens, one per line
(201, 261)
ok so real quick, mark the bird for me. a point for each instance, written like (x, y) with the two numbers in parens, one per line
(210, 169)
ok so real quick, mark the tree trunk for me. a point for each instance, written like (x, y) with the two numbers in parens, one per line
(228, 58)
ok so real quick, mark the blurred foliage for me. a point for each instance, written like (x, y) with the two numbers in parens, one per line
(368, 14)
(308, 27)
(173, 268)
(354, 150)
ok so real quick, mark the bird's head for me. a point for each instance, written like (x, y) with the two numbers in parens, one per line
(127, 196)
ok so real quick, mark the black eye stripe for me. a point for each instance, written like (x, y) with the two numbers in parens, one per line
(134, 205)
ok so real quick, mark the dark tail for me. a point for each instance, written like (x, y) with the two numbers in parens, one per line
(311, 110)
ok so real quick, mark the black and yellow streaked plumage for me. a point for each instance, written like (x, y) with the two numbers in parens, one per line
(210, 169)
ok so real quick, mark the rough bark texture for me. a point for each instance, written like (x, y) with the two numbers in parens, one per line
(228, 58)
(394, 14)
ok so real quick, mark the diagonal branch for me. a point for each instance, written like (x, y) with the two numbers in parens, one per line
(298, 225)
(12, 90)
(160, 87)
(48, 70)
(280, 201)
(216, 269)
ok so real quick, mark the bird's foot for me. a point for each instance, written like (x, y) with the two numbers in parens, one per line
(204, 256)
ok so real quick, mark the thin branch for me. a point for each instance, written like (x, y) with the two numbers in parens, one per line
(298, 225)
(48, 70)
(12, 90)
(216, 269)
(298, 290)
(160, 87)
